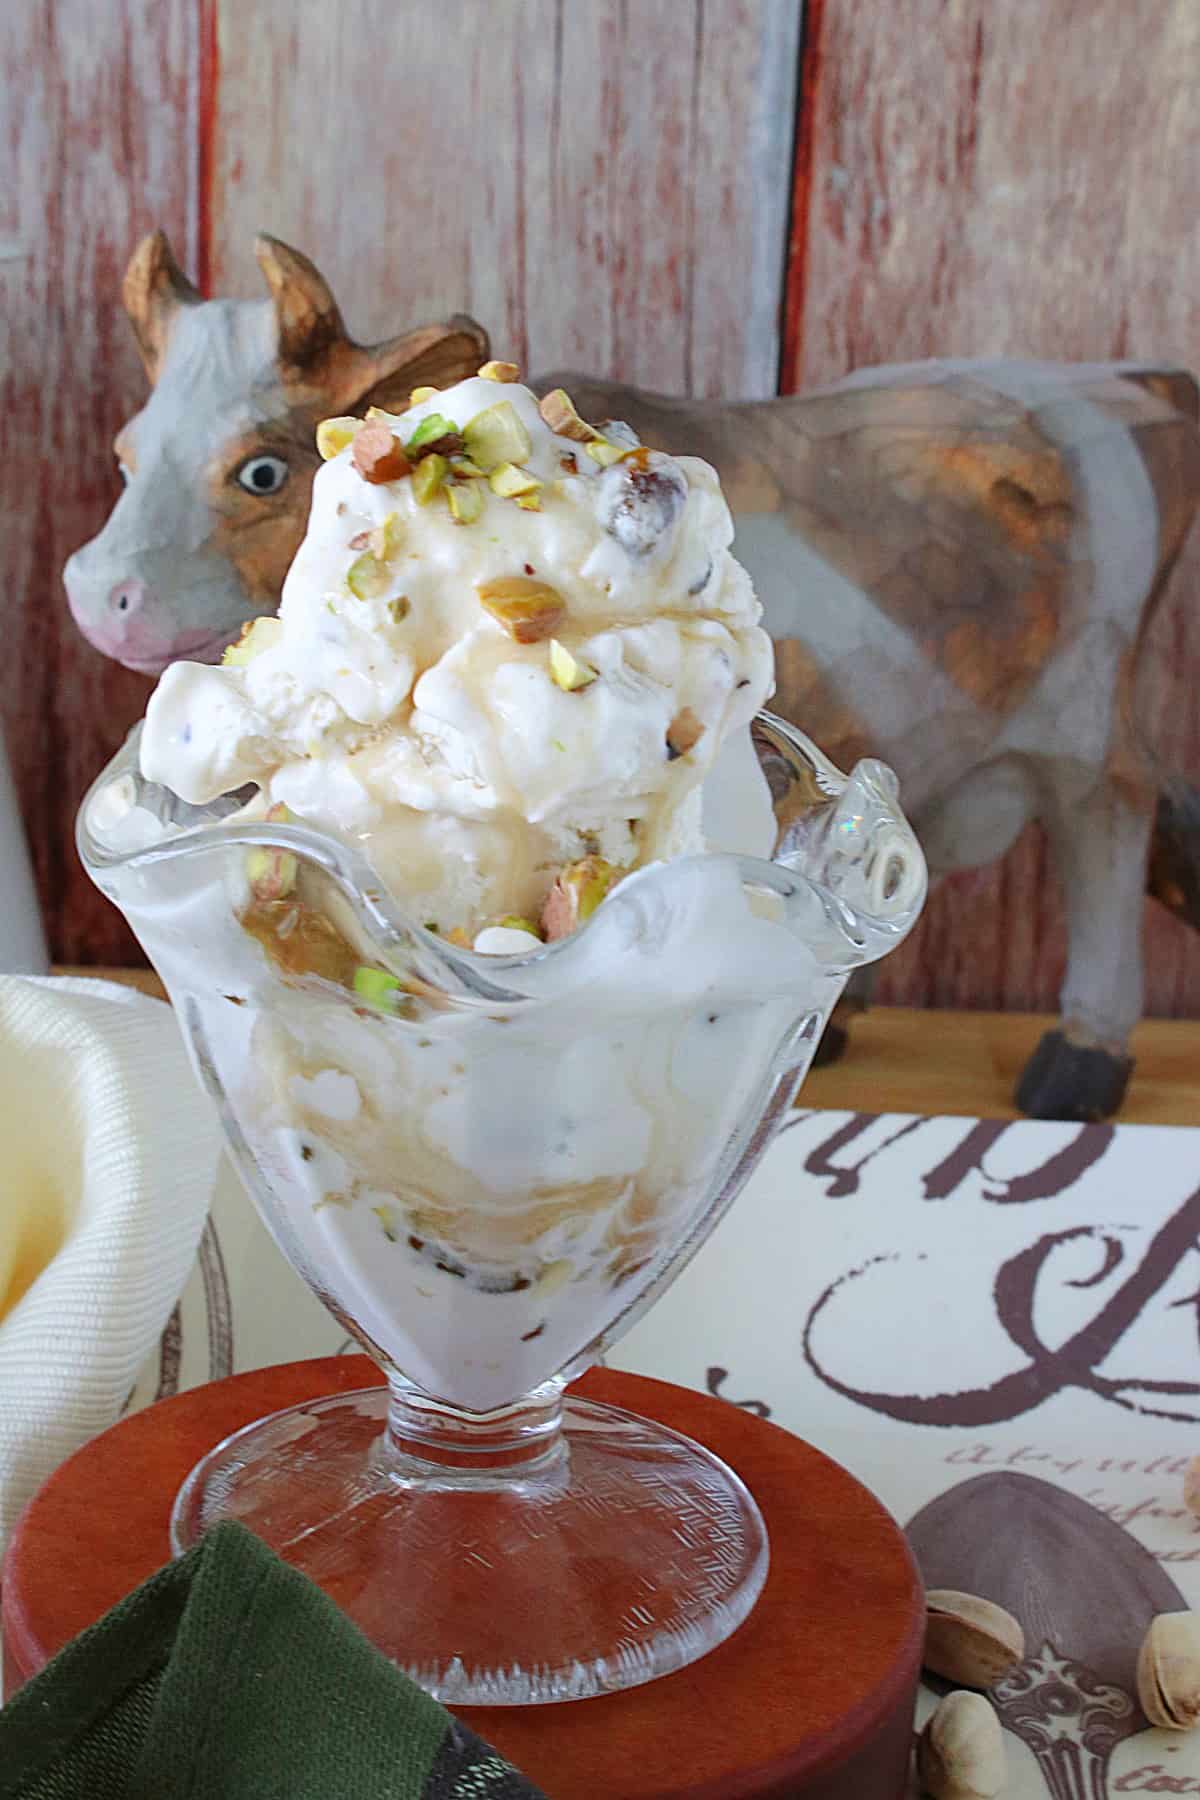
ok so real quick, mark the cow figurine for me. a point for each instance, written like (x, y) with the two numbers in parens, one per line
(957, 562)
(220, 461)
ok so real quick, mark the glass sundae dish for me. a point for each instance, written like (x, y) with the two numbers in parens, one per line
(502, 924)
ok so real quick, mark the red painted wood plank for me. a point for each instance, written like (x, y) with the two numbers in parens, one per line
(96, 137)
(983, 180)
(807, 111)
(208, 84)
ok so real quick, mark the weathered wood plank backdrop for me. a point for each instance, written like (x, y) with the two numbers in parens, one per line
(97, 116)
(605, 184)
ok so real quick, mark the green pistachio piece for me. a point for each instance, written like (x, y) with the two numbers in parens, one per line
(465, 499)
(367, 577)
(376, 987)
(334, 434)
(257, 636)
(509, 482)
(496, 436)
(569, 672)
(428, 477)
(580, 888)
(432, 427)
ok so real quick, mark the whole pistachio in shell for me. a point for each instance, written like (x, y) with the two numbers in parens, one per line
(968, 1640)
(1191, 1486)
(960, 1753)
(1168, 1671)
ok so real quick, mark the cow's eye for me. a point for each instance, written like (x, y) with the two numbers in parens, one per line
(262, 474)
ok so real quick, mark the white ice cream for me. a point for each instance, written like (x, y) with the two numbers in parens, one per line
(411, 720)
(484, 1185)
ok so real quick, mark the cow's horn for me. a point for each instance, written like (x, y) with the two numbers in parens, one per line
(307, 313)
(154, 289)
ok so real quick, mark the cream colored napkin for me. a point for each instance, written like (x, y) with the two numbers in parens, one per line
(108, 1152)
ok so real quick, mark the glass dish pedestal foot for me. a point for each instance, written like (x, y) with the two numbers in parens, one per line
(554, 1550)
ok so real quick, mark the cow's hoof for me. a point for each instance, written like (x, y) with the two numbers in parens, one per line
(1063, 1080)
(832, 1045)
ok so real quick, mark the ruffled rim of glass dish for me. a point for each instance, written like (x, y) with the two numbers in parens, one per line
(850, 828)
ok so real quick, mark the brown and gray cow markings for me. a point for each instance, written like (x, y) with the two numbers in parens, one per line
(949, 503)
(1084, 1592)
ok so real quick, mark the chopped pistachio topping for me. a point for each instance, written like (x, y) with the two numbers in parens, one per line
(528, 610)
(515, 922)
(367, 577)
(334, 434)
(509, 481)
(379, 455)
(398, 608)
(272, 873)
(428, 477)
(462, 465)
(496, 435)
(499, 371)
(257, 635)
(569, 672)
(420, 394)
(529, 502)
(683, 733)
(580, 888)
(386, 538)
(558, 410)
(465, 499)
(601, 451)
(376, 986)
(431, 428)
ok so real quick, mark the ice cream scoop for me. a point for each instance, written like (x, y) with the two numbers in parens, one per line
(510, 644)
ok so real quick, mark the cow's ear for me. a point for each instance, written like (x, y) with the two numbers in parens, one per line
(154, 290)
(430, 356)
(306, 313)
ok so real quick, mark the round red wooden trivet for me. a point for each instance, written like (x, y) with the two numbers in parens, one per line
(812, 1697)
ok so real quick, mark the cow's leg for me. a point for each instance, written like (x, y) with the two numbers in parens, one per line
(1081, 1070)
(980, 817)
(856, 997)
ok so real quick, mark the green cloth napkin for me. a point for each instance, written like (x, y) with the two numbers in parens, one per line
(229, 1676)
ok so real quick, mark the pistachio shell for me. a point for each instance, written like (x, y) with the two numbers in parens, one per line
(1191, 1486)
(970, 1640)
(1168, 1671)
(960, 1753)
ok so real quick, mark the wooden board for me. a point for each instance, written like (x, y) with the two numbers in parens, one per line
(99, 107)
(905, 1059)
(1007, 180)
(813, 1696)
(603, 186)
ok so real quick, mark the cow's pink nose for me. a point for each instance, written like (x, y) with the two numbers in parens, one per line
(127, 598)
